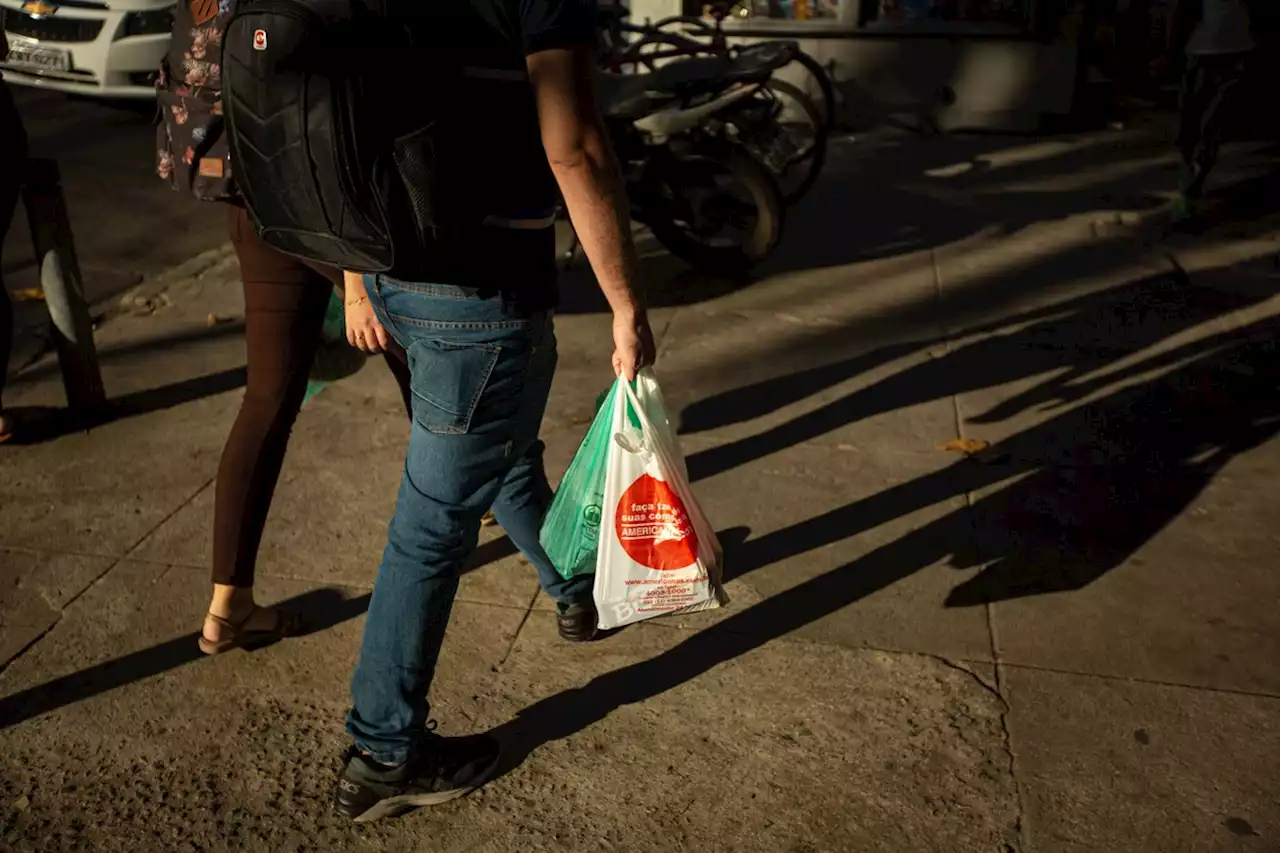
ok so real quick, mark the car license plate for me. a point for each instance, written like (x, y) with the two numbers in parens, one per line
(37, 57)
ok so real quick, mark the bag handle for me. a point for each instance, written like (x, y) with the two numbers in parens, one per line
(646, 425)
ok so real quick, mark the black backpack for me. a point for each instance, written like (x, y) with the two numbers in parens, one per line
(191, 146)
(338, 115)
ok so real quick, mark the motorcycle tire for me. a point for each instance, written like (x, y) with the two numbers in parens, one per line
(827, 107)
(767, 231)
(825, 100)
(798, 175)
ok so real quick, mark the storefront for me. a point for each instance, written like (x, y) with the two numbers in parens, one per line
(995, 64)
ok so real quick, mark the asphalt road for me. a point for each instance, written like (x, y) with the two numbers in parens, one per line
(127, 224)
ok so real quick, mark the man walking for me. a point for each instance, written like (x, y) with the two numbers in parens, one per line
(482, 347)
(1215, 37)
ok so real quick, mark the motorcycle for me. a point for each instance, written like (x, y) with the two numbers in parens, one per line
(704, 198)
(785, 128)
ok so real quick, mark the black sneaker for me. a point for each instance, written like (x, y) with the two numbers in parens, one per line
(577, 622)
(443, 770)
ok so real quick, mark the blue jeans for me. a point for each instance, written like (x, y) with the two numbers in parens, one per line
(482, 367)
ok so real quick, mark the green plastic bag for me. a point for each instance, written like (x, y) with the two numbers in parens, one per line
(571, 529)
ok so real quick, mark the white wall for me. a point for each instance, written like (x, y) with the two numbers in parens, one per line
(995, 84)
(653, 9)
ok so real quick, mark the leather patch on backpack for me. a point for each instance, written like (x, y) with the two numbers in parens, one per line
(203, 11)
(211, 167)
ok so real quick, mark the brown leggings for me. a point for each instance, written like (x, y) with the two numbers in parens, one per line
(284, 306)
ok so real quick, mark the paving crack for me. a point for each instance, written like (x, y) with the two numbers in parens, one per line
(1021, 840)
(997, 690)
(37, 638)
(1154, 682)
(957, 665)
(515, 638)
(116, 561)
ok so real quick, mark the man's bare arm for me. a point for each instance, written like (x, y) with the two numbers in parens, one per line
(584, 165)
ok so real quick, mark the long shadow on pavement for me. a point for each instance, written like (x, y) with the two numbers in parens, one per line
(1069, 339)
(43, 423)
(1161, 442)
(1164, 440)
(320, 609)
(1105, 509)
(132, 349)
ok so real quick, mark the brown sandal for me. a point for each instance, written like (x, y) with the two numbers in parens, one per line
(287, 624)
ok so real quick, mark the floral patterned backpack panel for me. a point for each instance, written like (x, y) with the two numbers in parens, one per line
(191, 144)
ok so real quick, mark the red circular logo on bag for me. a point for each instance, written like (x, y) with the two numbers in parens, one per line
(653, 526)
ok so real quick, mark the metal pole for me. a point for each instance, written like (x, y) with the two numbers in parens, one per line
(63, 287)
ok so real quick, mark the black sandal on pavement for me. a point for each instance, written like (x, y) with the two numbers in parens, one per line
(237, 636)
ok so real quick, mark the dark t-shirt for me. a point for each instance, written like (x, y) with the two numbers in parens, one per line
(507, 165)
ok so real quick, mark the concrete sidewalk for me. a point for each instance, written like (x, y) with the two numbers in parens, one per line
(1066, 641)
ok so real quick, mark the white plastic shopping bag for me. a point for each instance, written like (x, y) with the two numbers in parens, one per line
(658, 554)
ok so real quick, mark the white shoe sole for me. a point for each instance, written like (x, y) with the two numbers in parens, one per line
(393, 806)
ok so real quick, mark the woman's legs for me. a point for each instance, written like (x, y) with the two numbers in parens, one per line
(285, 302)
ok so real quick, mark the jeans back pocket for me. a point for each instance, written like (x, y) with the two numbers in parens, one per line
(448, 380)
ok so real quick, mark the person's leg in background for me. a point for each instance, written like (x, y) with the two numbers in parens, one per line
(285, 303)
(1191, 107)
(1208, 97)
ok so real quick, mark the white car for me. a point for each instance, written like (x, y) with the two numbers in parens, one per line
(107, 48)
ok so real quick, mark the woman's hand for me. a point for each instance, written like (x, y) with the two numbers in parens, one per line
(364, 332)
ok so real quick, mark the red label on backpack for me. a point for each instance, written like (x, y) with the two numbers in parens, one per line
(653, 526)
(259, 39)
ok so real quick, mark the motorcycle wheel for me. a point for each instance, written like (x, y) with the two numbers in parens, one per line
(816, 82)
(706, 193)
(827, 102)
(803, 132)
